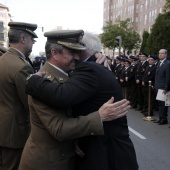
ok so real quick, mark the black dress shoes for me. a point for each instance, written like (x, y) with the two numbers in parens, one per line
(163, 122)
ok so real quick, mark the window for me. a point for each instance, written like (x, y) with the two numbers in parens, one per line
(149, 29)
(145, 20)
(137, 8)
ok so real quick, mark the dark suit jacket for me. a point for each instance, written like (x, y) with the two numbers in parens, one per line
(140, 71)
(88, 88)
(131, 78)
(149, 75)
(167, 85)
(117, 71)
(50, 144)
(14, 112)
(162, 75)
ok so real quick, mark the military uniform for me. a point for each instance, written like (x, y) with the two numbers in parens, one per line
(2, 50)
(140, 71)
(14, 112)
(51, 142)
(118, 69)
(149, 75)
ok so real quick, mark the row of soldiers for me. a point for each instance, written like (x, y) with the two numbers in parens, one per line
(136, 77)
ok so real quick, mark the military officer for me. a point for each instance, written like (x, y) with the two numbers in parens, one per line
(132, 82)
(118, 68)
(149, 75)
(14, 112)
(140, 71)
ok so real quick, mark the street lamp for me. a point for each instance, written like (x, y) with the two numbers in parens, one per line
(42, 28)
(119, 42)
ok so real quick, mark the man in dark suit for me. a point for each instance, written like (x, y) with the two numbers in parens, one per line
(51, 142)
(161, 77)
(14, 112)
(89, 86)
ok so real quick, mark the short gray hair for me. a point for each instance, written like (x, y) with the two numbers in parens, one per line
(91, 42)
(14, 35)
(49, 46)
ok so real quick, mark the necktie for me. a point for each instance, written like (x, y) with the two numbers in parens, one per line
(159, 64)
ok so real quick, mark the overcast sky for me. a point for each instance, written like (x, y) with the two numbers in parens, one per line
(70, 14)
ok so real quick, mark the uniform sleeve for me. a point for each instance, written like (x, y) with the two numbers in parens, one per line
(63, 128)
(81, 86)
(20, 81)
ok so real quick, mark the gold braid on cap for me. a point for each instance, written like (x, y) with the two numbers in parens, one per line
(80, 38)
(30, 31)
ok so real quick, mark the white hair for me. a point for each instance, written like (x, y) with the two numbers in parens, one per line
(91, 42)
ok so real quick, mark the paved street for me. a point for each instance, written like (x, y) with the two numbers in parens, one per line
(151, 141)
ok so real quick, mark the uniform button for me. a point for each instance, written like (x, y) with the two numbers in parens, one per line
(92, 133)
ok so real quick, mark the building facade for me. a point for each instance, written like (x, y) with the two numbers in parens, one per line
(5, 17)
(142, 12)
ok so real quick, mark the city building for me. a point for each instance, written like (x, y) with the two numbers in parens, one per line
(5, 17)
(142, 12)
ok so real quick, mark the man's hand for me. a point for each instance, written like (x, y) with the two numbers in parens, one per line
(110, 111)
(137, 81)
(39, 73)
(102, 59)
(165, 91)
(78, 151)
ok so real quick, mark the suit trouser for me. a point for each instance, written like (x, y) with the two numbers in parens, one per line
(145, 93)
(9, 158)
(133, 94)
(125, 92)
(140, 97)
(162, 110)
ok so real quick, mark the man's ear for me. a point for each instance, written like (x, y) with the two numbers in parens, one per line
(22, 39)
(54, 53)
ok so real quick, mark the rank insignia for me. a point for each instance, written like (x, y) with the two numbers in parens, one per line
(61, 79)
(49, 76)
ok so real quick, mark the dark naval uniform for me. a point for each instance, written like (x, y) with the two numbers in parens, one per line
(149, 75)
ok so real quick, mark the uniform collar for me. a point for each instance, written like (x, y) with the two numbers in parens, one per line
(59, 69)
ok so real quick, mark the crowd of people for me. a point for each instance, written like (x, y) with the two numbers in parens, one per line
(38, 62)
(140, 78)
